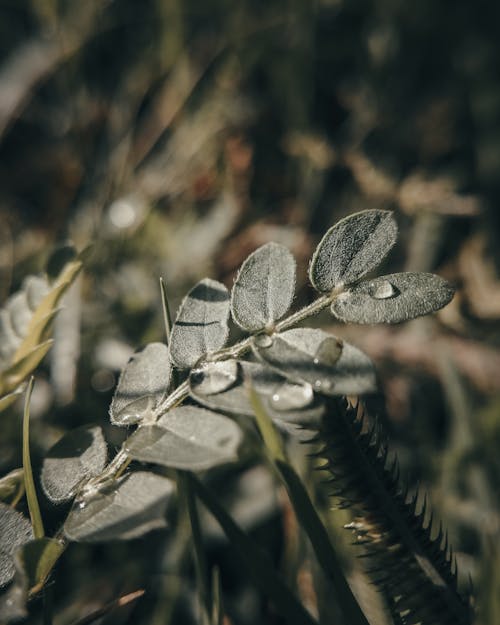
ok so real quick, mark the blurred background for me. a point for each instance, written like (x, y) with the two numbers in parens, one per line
(176, 136)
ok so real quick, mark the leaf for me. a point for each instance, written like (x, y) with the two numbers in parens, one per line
(123, 509)
(15, 531)
(330, 366)
(19, 371)
(45, 308)
(38, 558)
(303, 406)
(143, 383)
(201, 325)
(393, 298)
(189, 438)
(78, 455)
(10, 398)
(255, 561)
(14, 598)
(264, 288)
(11, 483)
(351, 248)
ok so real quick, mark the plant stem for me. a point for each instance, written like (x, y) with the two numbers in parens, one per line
(34, 508)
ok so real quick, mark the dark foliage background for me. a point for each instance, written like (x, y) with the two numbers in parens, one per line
(177, 136)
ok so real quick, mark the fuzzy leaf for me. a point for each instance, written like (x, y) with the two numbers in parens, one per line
(15, 531)
(393, 298)
(264, 287)
(143, 383)
(80, 454)
(351, 248)
(187, 438)
(302, 406)
(330, 366)
(201, 324)
(123, 509)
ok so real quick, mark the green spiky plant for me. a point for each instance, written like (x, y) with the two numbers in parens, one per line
(196, 404)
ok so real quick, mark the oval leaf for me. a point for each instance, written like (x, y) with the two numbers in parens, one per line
(79, 455)
(187, 438)
(393, 298)
(330, 366)
(201, 324)
(264, 288)
(15, 531)
(143, 383)
(283, 400)
(351, 248)
(126, 508)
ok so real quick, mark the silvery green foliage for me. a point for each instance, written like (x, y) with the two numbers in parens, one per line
(79, 455)
(264, 287)
(17, 313)
(15, 531)
(308, 355)
(187, 438)
(393, 298)
(201, 324)
(351, 248)
(125, 508)
(143, 383)
(283, 400)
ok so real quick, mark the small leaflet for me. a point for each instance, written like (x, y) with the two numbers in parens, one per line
(15, 531)
(300, 406)
(123, 509)
(351, 248)
(329, 365)
(264, 287)
(79, 455)
(188, 438)
(142, 385)
(201, 326)
(393, 298)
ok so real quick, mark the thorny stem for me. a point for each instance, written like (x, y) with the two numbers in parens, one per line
(121, 460)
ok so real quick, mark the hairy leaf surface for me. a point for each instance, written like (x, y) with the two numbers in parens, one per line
(393, 298)
(15, 531)
(283, 400)
(329, 365)
(264, 287)
(201, 324)
(80, 454)
(143, 383)
(351, 248)
(187, 438)
(126, 508)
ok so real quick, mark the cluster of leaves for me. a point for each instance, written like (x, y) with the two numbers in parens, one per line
(279, 373)
(26, 322)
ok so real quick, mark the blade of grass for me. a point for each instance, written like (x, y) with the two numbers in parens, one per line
(33, 507)
(167, 317)
(200, 561)
(255, 560)
(307, 516)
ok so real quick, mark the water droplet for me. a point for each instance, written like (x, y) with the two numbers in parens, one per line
(328, 352)
(215, 377)
(263, 340)
(383, 290)
(292, 397)
(82, 504)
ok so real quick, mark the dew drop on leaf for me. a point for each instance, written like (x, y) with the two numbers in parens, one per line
(292, 396)
(384, 290)
(263, 340)
(215, 377)
(328, 352)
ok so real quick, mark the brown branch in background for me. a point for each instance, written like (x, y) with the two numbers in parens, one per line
(117, 603)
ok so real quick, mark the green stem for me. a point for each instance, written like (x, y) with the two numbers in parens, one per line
(33, 507)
